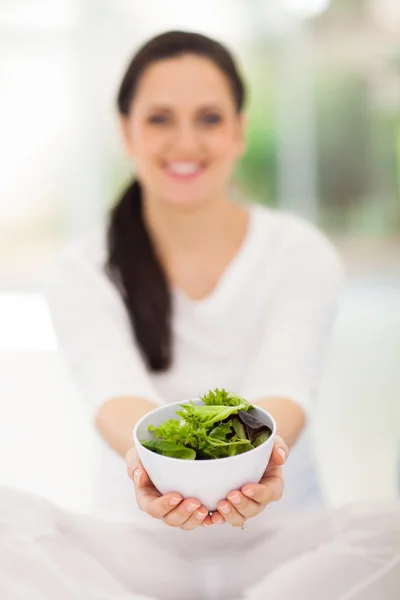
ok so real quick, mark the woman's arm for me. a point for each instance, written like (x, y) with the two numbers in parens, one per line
(116, 419)
(94, 334)
(289, 417)
(287, 366)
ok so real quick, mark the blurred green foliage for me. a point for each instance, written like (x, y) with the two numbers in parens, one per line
(358, 151)
(256, 172)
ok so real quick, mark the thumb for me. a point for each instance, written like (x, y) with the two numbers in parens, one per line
(135, 469)
(280, 451)
(132, 459)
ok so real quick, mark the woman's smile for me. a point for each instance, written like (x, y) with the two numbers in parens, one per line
(184, 171)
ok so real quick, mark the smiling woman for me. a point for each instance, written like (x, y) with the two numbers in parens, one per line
(197, 133)
(184, 146)
(187, 290)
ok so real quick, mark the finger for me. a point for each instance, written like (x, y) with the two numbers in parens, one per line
(141, 478)
(179, 516)
(149, 499)
(196, 519)
(154, 504)
(280, 451)
(132, 461)
(230, 514)
(217, 518)
(269, 489)
(209, 520)
(245, 506)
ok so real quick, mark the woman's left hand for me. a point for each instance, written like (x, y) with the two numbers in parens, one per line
(252, 498)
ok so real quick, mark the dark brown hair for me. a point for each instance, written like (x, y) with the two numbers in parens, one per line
(132, 261)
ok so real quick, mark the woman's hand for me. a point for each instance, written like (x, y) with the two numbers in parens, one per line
(171, 508)
(252, 498)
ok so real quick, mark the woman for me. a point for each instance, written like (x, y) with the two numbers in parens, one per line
(185, 290)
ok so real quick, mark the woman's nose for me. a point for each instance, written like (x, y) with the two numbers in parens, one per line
(186, 138)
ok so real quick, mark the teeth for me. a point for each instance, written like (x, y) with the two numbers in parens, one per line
(184, 168)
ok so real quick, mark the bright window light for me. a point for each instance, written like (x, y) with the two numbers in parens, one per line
(305, 8)
(25, 322)
(40, 15)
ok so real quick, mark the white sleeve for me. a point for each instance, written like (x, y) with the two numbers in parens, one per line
(306, 291)
(93, 331)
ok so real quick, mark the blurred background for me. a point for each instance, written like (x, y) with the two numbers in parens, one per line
(324, 106)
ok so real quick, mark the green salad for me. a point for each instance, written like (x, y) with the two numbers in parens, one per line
(222, 427)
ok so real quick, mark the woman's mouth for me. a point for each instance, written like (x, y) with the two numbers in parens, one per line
(184, 171)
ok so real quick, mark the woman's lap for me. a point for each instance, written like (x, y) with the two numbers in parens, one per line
(316, 557)
(348, 553)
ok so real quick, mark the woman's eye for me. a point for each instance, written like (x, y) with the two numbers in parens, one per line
(212, 119)
(158, 119)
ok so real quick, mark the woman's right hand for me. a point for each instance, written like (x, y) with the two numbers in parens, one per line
(172, 509)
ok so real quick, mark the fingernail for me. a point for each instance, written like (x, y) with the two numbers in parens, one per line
(191, 507)
(199, 516)
(282, 453)
(218, 520)
(249, 493)
(136, 476)
(235, 499)
(225, 508)
(174, 501)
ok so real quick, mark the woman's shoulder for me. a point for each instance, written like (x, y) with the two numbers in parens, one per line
(78, 262)
(289, 235)
(89, 248)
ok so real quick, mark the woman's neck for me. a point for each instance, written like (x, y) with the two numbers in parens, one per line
(197, 230)
(196, 244)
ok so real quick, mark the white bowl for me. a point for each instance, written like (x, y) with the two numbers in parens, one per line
(207, 480)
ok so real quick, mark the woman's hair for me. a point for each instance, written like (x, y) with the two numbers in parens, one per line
(132, 261)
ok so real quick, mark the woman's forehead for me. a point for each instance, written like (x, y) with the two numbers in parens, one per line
(182, 81)
(199, 106)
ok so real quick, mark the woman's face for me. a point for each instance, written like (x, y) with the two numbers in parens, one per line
(183, 132)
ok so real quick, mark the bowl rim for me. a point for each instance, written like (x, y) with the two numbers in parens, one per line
(199, 462)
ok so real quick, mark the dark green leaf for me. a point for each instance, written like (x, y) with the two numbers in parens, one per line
(261, 437)
(221, 431)
(252, 425)
(239, 429)
(169, 449)
(250, 420)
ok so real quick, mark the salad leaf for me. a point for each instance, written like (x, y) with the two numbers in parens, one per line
(213, 448)
(176, 431)
(252, 425)
(221, 431)
(261, 437)
(168, 449)
(206, 415)
(239, 429)
(225, 398)
(223, 426)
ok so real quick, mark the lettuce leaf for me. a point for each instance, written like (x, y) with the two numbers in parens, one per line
(218, 397)
(221, 427)
(168, 449)
(206, 416)
(221, 432)
(239, 429)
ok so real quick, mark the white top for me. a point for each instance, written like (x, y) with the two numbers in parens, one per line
(262, 332)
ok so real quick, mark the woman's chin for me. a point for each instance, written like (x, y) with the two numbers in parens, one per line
(185, 201)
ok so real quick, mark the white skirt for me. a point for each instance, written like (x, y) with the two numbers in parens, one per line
(348, 554)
